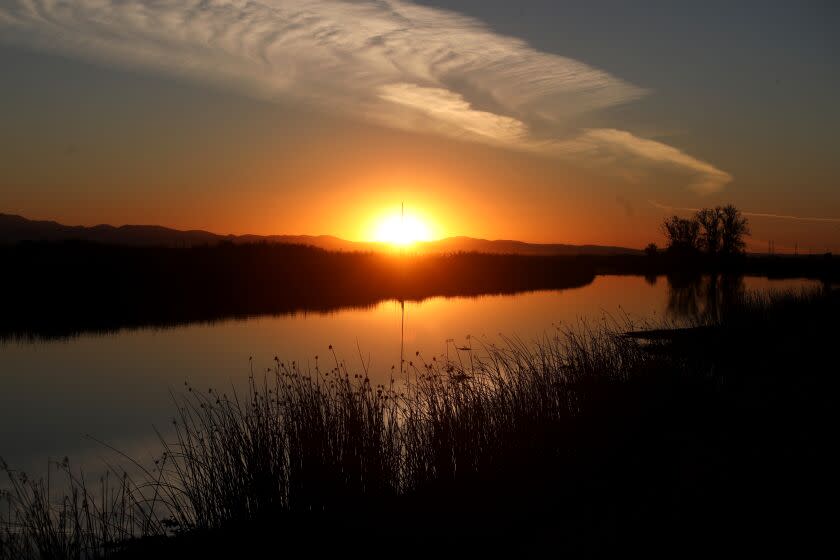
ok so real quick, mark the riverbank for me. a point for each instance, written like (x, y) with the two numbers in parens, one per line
(58, 290)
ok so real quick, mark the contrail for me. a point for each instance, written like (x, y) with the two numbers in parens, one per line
(754, 214)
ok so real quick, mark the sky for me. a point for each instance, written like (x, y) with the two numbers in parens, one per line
(545, 121)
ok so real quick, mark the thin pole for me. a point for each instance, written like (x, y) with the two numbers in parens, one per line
(402, 334)
(402, 302)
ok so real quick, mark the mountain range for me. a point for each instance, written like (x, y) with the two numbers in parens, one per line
(15, 229)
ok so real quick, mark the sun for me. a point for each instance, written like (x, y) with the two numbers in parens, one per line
(402, 230)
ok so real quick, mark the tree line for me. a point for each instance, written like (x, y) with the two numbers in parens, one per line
(718, 231)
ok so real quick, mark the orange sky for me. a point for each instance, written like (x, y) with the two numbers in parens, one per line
(343, 180)
(347, 188)
(574, 137)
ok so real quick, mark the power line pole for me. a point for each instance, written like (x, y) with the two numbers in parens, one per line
(402, 301)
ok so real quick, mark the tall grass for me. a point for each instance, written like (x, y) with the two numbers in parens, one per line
(84, 522)
(495, 428)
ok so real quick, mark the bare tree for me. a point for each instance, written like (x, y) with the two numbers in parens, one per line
(717, 231)
(711, 226)
(734, 227)
(682, 234)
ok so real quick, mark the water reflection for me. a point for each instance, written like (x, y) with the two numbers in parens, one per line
(116, 386)
(694, 297)
(706, 297)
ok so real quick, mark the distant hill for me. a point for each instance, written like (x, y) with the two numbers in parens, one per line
(14, 229)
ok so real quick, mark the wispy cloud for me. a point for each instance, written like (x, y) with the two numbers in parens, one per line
(752, 214)
(452, 110)
(618, 145)
(390, 61)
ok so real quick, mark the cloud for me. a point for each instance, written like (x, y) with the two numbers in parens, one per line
(389, 61)
(450, 108)
(619, 144)
(321, 48)
(752, 214)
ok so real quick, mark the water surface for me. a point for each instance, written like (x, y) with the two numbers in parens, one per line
(117, 386)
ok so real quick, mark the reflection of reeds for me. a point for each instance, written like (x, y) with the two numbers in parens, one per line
(502, 429)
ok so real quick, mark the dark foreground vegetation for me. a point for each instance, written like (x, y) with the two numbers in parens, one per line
(60, 289)
(54, 290)
(709, 439)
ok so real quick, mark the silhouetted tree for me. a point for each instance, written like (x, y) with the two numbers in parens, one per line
(651, 250)
(711, 229)
(717, 231)
(734, 226)
(682, 234)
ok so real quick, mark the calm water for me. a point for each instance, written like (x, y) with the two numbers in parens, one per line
(116, 387)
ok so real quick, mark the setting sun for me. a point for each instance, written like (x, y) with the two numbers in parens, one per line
(402, 230)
